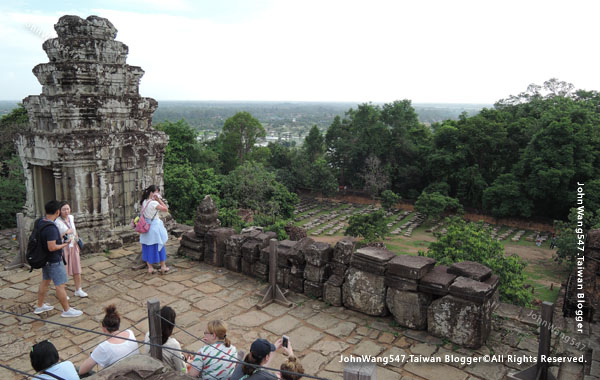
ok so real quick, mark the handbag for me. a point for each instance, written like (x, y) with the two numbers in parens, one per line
(80, 244)
(142, 226)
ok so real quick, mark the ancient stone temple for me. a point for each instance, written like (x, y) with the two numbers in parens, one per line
(90, 139)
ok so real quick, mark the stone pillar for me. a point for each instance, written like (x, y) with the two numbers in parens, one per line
(407, 305)
(340, 261)
(317, 269)
(192, 243)
(89, 128)
(364, 289)
(464, 316)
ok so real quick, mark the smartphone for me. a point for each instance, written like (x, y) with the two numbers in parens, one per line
(284, 343)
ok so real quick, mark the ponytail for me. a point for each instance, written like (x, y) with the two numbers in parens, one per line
(250, 359)
(146, 193)
(219, 328)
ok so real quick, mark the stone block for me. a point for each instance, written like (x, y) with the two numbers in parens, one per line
(408, 308)
(411, 267)
(463, 322)
(316, 274)
(284, 252)
(261, 271)
(332, 294)
(401, 283)
(250, 250)
(342, 252)
(471, 290)
(318, 254)
(470, 269)
(247, 267)
(365, 292)
(437, 281)
(283, 277)
(233, 262)
(264, 255)
(296, 284)
(190, 253)
(338, 269)
(296, 256)
(377, 255)
(372, 260)
(233, 245)
(313, 289)
(214, 245)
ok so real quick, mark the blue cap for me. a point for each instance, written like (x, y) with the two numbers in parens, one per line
(261, 348)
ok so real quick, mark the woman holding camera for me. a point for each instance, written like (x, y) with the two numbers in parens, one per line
(66, 227)
(153, 241)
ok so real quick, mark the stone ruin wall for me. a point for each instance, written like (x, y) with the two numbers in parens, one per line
(90, 139)
(454, 302)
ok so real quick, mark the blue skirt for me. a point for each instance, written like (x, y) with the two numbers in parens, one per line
(152, 255)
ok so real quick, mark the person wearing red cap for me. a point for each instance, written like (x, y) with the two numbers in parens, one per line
(261, 353)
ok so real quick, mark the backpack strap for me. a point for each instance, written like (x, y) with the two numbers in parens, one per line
(53, 375)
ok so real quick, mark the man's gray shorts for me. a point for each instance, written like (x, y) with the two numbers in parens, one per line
(55, 272)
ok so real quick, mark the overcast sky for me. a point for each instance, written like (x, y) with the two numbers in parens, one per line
(320, 50)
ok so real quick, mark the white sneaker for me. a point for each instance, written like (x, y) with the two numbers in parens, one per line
(80, 293)
(41, 309)
(71, 313)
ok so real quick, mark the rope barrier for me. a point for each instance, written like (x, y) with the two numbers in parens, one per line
(27, 374)
(256, 366)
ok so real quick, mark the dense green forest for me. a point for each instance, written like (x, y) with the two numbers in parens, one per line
(520, 158)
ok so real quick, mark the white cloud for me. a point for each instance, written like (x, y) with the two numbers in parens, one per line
(437, 51)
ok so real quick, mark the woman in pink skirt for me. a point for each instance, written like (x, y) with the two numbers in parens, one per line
(66, 226)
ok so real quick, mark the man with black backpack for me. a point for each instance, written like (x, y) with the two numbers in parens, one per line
(54, 269)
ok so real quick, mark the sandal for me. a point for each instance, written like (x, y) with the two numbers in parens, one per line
(152, 271)
(163, 271)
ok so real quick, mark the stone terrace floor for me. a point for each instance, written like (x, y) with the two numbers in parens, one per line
(200, 293)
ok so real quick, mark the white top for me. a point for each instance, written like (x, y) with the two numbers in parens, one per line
(65, 370)
(63, 226)
(150, 211)
(173, 359)
(107, 353)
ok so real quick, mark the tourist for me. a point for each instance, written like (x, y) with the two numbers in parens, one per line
(553, 241)
(44, 359)
(54, 270)
(173, 359)
(217, 345)
(153, 241)
(66, 227)
(114, 348)
(261, 353)
(291, 364)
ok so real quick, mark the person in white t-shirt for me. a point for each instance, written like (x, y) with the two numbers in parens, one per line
(153, 241)
(44, 359)
(114, 348)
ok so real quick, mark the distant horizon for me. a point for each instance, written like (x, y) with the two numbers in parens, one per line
(296, 101)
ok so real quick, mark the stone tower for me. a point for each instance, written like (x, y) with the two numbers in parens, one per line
(90, 139)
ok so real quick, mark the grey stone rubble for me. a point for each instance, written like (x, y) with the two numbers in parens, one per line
(90, 139)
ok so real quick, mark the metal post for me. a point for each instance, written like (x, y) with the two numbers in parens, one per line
(19, 260)
(273, 293)
(540, 370)
(545, 335)
(154, 327)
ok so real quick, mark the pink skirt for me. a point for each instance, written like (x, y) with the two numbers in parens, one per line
(72, 258)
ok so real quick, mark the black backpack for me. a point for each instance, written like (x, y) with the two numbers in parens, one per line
(37, 254)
